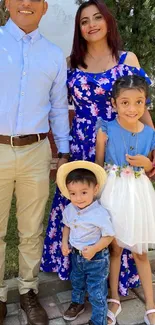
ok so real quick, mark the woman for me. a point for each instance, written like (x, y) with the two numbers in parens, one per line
(95, 63)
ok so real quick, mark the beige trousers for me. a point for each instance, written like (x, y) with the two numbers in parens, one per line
(25, 171)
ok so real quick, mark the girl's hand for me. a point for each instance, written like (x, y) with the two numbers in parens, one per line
(88, 252)
(65, 249)
(139, 161)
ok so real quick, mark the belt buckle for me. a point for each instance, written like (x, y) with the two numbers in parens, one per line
(12, 137)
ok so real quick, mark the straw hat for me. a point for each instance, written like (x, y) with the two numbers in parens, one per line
(65, 169)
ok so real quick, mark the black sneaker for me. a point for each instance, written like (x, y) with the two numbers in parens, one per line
(73, 311)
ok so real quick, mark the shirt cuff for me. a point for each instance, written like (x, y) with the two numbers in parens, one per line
(63, 147)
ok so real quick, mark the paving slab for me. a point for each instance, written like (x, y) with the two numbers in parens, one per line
(12, 320)
(12, 309)
(58, 321)
(51, 308)
(140, 293)
(64, 296)
(132, 313)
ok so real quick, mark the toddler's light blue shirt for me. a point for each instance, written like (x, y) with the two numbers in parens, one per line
(33, 92)
(88, 225)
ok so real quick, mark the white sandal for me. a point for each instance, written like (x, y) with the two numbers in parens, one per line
(110, 314)
(146, 320)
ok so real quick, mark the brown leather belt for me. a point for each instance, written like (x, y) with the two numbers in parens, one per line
(22, 140)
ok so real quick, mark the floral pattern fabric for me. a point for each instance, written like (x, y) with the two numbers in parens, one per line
(91, 95)
(124, 170)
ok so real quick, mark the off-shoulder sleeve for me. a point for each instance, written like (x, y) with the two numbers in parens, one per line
(140, 72)
(101, 124)
(153, 142)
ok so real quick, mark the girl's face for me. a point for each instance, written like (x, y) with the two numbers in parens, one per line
(92, 24)
(130, 105)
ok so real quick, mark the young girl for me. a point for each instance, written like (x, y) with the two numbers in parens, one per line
(124, 147)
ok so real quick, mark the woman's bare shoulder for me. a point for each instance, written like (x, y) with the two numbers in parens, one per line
(132, 60)
(68, 59)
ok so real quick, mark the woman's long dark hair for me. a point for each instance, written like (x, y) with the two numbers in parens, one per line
(79, 48)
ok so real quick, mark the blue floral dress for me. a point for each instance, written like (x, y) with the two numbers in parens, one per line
(91, 95)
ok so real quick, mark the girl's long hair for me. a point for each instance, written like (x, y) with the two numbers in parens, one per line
(79, 48)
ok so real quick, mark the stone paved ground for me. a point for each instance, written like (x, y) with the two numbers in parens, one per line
(132, 306)
(132, 314)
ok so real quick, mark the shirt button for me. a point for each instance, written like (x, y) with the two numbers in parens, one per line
(131, 148)
(22, 93)
(75, 226)
(24, 73)
(25, 54)
(78, 213)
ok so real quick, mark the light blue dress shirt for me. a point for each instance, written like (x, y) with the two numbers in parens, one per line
(87, 225)
(33, 92)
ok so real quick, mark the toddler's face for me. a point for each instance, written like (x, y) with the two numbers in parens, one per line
(82, 194)
(130, 105)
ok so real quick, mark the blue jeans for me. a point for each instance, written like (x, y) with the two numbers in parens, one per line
(91, 276)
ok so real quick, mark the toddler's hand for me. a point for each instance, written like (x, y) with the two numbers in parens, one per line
(65, 249)
(88, 252)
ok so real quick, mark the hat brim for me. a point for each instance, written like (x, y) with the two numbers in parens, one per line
(65, 169)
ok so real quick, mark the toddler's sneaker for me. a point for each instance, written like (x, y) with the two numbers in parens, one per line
(73, 311)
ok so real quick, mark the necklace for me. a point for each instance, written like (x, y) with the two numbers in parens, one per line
(98, 60)
(129, 147)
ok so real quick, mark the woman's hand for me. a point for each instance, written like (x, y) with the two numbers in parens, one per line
(139, 161)
(152, 172)
(61, 161)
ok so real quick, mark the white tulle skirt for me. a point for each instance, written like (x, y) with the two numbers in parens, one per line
(130, 198)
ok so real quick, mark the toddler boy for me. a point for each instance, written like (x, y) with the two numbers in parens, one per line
(87, 233)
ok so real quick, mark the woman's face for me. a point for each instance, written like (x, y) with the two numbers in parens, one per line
(92, 24)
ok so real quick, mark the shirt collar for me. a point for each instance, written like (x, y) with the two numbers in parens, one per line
(88, 208)
(18, 33)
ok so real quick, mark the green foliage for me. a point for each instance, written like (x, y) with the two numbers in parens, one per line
(4, 14)
(136, 23)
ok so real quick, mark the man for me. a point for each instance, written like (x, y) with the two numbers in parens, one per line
(32, 95)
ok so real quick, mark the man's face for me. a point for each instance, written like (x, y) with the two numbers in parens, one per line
(26, 14)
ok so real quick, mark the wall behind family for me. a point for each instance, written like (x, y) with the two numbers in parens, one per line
(58, 24)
